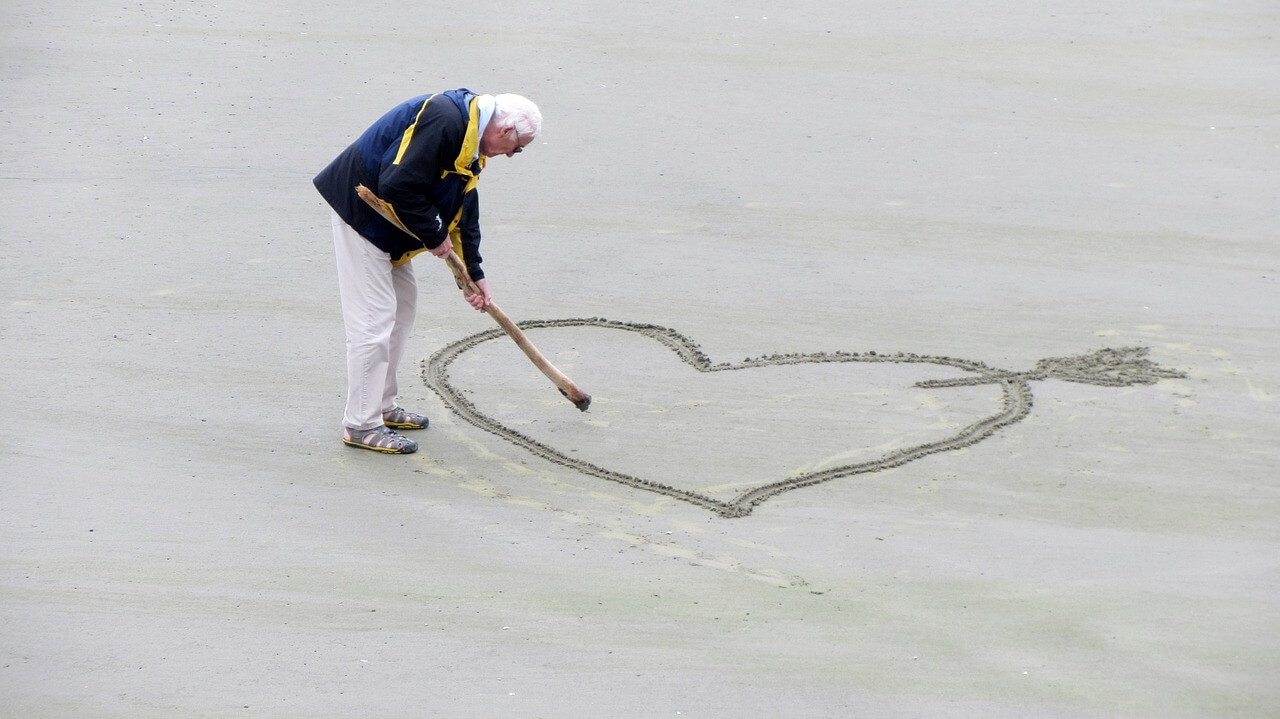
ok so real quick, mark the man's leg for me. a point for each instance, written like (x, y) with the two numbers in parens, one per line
(405, 284)
(368, 315)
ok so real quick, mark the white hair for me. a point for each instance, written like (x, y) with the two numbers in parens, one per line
(517, 111)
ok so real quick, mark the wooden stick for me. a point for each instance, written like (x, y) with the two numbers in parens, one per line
(580, 399)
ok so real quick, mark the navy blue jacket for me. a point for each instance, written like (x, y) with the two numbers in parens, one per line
(420, 159)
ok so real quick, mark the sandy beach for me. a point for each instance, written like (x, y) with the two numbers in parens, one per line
(839, 277)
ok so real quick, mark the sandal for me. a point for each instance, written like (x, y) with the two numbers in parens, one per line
(401, 418)
(379, 439)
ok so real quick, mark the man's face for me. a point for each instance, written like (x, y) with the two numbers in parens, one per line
(498, 140)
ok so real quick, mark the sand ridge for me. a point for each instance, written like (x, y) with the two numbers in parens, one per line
(1108, 367)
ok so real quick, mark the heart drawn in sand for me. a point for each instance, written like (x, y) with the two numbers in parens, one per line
(1106, 367)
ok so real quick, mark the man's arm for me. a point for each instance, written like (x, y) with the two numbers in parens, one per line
(469, 235)
(469, 243)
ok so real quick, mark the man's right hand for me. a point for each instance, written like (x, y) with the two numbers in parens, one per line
(442, 250)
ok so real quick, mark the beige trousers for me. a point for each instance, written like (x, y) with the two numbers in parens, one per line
(379, 301)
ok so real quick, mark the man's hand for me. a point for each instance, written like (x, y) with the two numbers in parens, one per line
(481, 300)
(442, 250)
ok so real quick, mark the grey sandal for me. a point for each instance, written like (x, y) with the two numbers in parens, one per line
(379, 439)
(401, 418)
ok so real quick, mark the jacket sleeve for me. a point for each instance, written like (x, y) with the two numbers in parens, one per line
(407, 175)
(469, 235)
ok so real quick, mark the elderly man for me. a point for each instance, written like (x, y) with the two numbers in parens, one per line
(423, 159)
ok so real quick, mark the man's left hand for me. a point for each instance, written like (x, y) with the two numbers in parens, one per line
(481, 300)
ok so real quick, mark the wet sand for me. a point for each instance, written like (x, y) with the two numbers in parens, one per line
(183, 533)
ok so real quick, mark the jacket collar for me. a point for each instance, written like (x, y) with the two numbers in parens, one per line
(469, 153)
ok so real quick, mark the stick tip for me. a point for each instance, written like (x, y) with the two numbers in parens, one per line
(580, 399)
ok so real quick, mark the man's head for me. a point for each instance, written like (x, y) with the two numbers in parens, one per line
(515, 123)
